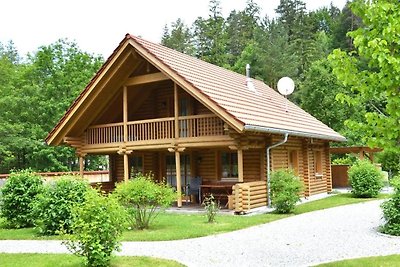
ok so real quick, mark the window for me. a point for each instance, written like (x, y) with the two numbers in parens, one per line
(318, 163)
(136, 163)
(294, 161)
(229, 165)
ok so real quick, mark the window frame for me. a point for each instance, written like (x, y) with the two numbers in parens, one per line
(293, 162)
(132, 162)
(318, 163)
(233, 166)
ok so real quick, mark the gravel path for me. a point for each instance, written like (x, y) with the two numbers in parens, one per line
(302, 240)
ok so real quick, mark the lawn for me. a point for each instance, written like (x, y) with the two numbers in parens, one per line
(65, 260)
(380, 261)
(173, 226)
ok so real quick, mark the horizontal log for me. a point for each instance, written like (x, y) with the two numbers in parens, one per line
(146, 78)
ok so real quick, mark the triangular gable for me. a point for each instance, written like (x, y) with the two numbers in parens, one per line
(223, 92)
(81, 103)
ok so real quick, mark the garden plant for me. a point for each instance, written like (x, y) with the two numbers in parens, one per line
(365, 179)
(285, 190)
(17, 198)
(391, 210)
(53, 207)
(144, 199)
(212, 208)
(96, 226)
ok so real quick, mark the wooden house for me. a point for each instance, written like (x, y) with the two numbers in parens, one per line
(153, 109)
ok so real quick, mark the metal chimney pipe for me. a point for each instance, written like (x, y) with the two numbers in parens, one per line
(248, 71)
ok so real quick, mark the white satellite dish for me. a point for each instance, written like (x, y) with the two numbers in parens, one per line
(285, 86)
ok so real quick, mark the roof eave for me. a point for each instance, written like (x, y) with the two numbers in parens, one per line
(256, 128)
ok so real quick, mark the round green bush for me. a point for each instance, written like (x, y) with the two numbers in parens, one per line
(285, 190)
(53, 207)
(17, 197)
(97, 225)
(143, 198)
(365, 179)
(391, 211)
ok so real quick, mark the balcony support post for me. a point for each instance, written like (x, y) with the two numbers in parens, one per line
(240, 164)
(125, 112)
(178, 177)
(176, 112)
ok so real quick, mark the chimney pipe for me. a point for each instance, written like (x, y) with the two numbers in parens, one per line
(248, 71)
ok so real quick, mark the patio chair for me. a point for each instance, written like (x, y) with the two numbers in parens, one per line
(195, 187)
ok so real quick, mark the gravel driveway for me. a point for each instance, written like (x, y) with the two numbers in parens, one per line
(302, 240)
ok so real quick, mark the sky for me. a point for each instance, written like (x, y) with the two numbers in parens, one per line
(98, 26)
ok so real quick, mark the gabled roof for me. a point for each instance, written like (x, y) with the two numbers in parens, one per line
(224, 92)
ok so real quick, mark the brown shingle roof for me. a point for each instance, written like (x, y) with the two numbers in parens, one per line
(262, 110)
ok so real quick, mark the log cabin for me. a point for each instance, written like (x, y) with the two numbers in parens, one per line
(153, 109)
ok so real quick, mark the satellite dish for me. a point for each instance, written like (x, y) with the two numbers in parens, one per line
(285, 86)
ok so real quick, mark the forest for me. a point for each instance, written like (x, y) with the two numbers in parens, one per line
(334, 71)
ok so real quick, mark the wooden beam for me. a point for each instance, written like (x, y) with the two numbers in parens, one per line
(178, 178)
(146, 78)
(126, 168)
(176, 111)
(240, 165)
(125, 112)
(81, 166)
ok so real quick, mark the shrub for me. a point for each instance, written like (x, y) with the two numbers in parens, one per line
(143, 198)
(285, 190)
(17, 196)
(53, 207)
(211, 207)
(96, 225)
(391, 210)
(365, 179)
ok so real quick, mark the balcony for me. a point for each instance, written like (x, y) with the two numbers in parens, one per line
(207, 125)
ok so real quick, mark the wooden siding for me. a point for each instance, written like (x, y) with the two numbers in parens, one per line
(206, 168)
(119, 168)
(313, 184)
(252, 165)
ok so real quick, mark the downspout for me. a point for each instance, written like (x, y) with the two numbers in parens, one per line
(285, 138)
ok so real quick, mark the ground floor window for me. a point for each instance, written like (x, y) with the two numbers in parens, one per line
(294, 161)
(318, 166)
(229, 165)
(136, 163)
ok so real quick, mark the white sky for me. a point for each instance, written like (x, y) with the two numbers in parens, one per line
(99, 25)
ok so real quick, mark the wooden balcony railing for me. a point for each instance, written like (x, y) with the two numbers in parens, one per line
(200, 125)
(104, 134)
(151, 129)
(156, 129)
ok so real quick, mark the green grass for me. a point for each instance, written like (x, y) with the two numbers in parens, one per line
(380, 261)
(65, 260)
(173, 226)
(333, 201)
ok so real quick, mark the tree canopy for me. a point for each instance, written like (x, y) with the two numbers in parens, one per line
(372, 72)
(35, 93)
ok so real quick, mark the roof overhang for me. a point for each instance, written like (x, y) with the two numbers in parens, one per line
(255, 128)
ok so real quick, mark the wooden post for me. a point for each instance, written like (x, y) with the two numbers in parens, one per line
(126, 168)
(240, 165)
(178, 177)
(125, 112)
(361, 154)
(176, 111)
(81, 165)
